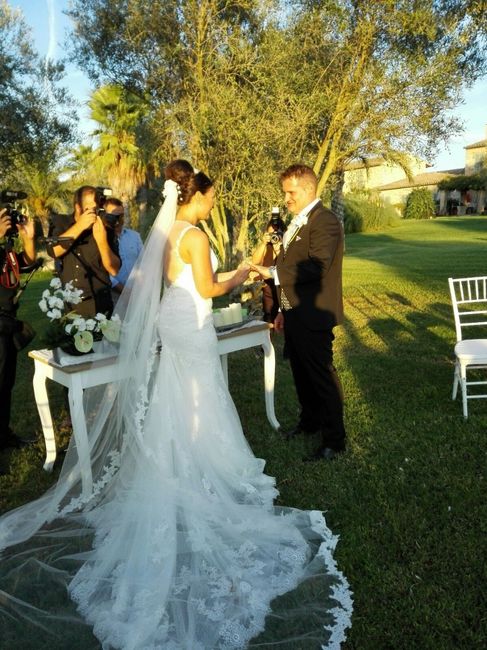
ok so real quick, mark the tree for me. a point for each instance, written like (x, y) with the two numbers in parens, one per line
(46, 193)
(30, 96)
(118, 158)
(389, 73)
(419, 205)
(244, 88)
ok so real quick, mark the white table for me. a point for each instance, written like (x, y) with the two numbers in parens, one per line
(87, 374)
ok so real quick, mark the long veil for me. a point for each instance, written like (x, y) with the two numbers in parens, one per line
(227, 552)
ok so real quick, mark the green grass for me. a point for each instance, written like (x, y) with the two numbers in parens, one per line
(408, 499)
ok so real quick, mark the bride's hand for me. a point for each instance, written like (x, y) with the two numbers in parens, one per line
(263, 271)
(242, 273)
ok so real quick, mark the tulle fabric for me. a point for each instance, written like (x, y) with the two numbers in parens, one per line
(178, 546)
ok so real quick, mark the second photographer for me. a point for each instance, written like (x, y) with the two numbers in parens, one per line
(86, 251)
(266, 254)
(13, 333)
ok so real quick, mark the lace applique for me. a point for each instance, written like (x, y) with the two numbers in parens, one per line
(109, 472)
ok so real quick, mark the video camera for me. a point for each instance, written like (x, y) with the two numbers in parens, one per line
(8, 198)
(101, 196)
(276, 222)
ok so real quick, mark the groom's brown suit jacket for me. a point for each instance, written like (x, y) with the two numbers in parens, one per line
(310, 270)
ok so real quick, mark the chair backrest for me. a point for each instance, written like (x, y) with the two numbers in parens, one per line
(469, 301)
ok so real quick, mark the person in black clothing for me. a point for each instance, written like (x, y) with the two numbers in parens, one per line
(308, 271)
(88, 256)
(11, 265)
(266, 254)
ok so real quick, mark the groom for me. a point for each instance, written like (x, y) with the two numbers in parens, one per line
(309, 274)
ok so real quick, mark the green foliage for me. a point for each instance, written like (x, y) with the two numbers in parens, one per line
(420, 204)
(364, 213)
(463, 183)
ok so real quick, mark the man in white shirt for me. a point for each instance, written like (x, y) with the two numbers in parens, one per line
(129, 243)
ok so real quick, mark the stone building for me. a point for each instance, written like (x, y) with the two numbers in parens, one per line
(391, 183)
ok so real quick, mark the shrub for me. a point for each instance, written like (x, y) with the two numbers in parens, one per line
(420, 204)
(364, 213)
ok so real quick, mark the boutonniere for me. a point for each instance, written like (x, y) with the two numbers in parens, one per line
(301, 221)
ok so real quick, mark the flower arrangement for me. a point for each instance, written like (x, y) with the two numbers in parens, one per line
(68, 330)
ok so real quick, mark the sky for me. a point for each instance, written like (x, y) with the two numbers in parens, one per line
(49, 26)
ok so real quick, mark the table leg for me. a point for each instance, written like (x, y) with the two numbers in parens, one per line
(224, 362)
(80, 434)
(42, 402)
(269, 376)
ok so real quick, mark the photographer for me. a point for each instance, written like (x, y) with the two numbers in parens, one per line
(11, 266)
(265, 254)
(86, 252)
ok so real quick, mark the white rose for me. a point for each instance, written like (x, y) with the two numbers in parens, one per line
(43, 305)
(54, 314)
(101, 317)
(75, 297)
(80, 324)
(56, 283)
(91, 324)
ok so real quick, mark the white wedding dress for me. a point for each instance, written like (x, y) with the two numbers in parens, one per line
(187, 550)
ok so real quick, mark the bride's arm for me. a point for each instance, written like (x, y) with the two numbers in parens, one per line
(195, 250)
(227, 275)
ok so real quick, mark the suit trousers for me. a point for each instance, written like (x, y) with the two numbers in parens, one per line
(318, 387)
(8, 365)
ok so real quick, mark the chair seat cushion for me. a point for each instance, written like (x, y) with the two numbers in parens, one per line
(472, 350)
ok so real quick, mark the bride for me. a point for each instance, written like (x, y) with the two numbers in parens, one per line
(179, 545)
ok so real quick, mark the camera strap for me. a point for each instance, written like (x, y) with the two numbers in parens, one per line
(10, 271)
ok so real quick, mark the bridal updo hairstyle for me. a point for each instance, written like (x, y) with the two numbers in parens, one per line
(189, 182)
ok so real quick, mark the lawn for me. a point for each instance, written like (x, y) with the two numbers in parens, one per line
(408, 499)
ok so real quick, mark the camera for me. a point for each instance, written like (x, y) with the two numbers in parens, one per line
(101, 195)
(276, 236)
(7, 200)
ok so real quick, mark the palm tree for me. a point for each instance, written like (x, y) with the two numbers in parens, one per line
(46, 193)
(118, 158)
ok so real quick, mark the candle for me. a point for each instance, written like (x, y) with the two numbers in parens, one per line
(236, 311)
(226, 313)
(218, 319)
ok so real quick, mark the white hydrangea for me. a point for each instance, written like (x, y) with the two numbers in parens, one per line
(101, 317)
(43, 305)
(56, 283)
(46, 293)
(68, 329)
(91, 324)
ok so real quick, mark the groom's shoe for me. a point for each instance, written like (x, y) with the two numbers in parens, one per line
(297, 430)
(323, 453)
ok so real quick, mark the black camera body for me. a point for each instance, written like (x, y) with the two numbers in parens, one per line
(101, 196)
(8, 198)
(277, 235)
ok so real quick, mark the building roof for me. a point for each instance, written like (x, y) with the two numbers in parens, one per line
(361, 164)
(477, 145)
(422, 180)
